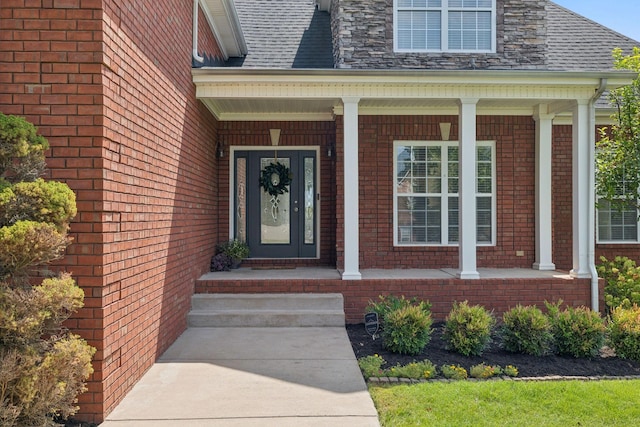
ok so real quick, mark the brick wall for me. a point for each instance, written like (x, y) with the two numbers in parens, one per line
(562, 207)
(515, 171)
(363, 38)
(128, 136)
(498, 295)
(562, 197)
(50, 73)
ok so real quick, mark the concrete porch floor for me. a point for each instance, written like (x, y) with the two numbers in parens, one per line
(249, 273)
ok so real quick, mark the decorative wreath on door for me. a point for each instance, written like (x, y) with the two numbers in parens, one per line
(275, 178)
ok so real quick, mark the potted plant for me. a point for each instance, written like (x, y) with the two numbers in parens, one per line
(236, 250)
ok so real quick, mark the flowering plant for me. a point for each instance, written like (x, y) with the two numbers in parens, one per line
(221, 262)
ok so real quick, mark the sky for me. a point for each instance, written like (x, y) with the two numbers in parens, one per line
(622, 16)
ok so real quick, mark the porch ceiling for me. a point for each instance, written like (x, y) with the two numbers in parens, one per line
(241, 94)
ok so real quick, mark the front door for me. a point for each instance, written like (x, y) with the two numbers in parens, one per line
(276, 215)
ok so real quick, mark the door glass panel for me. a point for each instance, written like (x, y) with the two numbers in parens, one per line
(275, 218)
(241, 198)
(309, 194)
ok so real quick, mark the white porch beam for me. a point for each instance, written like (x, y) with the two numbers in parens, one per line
(351, 184)
(467, 190)
(544, 230)
(581, 188)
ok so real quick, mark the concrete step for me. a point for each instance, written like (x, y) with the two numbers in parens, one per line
(266, 310)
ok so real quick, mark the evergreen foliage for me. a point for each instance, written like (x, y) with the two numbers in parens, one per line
(43, 367)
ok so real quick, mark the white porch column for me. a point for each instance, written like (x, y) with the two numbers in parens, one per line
(580, 182)
(467, 189)
(544, 243)
(351, 201)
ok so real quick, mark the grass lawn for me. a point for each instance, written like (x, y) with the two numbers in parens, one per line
(509, 403)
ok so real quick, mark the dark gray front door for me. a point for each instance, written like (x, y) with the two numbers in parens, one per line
(282, 226)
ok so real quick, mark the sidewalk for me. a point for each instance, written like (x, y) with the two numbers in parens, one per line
(251, 377)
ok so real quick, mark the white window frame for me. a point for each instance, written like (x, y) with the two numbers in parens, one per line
(444, 194)
(613, 241)
(444, 27)
(621, 190)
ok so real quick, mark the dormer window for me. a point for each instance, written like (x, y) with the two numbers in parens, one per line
(444, 25)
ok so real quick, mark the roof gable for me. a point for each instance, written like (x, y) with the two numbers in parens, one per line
(284, 34)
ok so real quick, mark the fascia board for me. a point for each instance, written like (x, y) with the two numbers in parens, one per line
(225, 25)
(548, 78)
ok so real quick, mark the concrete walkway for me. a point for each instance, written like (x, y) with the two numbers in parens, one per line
(251, 377)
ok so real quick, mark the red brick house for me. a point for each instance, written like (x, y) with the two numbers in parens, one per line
(438, 148)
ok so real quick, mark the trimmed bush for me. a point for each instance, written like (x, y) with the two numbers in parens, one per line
(407, 330)
(526, 330)
(389, 303)
(21, 149)
(577, 332)
(624, 332)
(26, 244)
(43, 367)
(622, 278)
(467, 329)
(42, 201)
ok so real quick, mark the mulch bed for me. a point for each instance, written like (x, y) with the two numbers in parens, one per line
(528, 366)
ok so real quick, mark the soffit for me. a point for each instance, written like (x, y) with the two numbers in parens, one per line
(318, 96)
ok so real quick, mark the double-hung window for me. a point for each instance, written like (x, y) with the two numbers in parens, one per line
(617, 225)
(426, 193)
(445, 25)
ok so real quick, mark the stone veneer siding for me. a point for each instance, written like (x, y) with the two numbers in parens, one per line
(363, 38)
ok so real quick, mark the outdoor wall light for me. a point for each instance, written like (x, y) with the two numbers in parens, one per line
(220, 149)
(331, 150)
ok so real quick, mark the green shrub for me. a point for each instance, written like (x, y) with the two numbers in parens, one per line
(235, 249)
(38, 383)
(42, 201)
(40, 377)
(526, 330)
(454, 372)
(26, 313)
(21, 149)
(390, 303)
(407, 330)
(43, 367)
(622, 277)
(371, 366)
(624, 332)
(483, 371)
(577, 332)
(415, 370)
(467, 329)
(26, 244)
(510, 371)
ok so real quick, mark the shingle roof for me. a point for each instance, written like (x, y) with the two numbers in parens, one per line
(294, 34)
(576, 43)
(284, 34)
